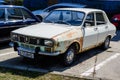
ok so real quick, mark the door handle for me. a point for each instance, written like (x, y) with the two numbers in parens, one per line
(106, 27)
(95, 28)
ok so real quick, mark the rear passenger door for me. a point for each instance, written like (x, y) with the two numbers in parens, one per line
(3, 26)
(102, 26)
(15, 18)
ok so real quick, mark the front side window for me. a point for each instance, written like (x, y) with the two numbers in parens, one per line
(14, 14)
(67, 17)
(2, 14)
(100, 19)
(90, 21)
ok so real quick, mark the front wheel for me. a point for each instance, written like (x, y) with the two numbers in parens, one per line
(106, 43)
(69, 56)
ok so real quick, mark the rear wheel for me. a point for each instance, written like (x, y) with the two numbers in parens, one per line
(106, 43)
(69, 56)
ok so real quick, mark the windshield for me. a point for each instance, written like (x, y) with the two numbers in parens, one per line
(67, 17)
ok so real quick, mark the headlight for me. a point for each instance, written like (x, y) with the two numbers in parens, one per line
(48, 43)
(14, 37)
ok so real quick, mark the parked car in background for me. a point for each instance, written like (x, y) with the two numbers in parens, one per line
(116, 20)
(13, 17)
(66, 31)
(2, 2)
(43, 13)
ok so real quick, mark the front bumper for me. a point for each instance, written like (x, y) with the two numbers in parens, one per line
(33, 50)
(41, 53)
(11, 44)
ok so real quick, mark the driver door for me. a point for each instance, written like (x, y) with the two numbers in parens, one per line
(90, 32)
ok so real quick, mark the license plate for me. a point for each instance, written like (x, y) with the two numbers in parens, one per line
(26, 54)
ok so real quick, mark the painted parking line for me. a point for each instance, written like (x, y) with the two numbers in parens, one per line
(90, 71)
(4, 54)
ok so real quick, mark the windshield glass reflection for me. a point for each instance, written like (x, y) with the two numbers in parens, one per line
(67, 17)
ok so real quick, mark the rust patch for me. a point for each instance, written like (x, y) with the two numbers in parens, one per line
(60, 34)
(81, 43)
(70, 34)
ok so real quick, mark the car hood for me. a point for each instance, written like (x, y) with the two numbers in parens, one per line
(43, 30)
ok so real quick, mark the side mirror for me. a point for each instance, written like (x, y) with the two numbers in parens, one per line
(40, 17)
(87, 24)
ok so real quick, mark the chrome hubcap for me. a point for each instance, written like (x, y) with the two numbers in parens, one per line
(70, 56)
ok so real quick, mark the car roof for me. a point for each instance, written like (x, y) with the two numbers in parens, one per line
(2, 1)
(70, 4)
(86, 10)
(7, 6)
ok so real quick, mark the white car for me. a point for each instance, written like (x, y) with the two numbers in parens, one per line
(66, 31)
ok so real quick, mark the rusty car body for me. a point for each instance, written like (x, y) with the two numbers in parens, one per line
(66, 31)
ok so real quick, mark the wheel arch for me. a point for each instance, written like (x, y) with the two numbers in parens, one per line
(77, 46)
(110, 36)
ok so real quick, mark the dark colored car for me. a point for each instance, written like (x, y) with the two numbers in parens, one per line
(2, 2)
(13, 17)
(43, 13)
(116, 20)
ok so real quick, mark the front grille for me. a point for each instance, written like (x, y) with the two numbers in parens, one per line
(31, 40)
(22, 39)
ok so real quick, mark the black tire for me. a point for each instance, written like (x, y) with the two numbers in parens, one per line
(69, 57)
(25, 59)
(106, 43)
(15, 47)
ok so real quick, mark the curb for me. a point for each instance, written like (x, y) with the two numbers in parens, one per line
(27, 68)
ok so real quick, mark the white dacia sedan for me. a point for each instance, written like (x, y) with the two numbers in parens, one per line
(66, 31)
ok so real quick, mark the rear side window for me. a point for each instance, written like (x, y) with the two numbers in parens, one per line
(2, 14)
(14, 14)
(100, 19)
